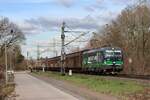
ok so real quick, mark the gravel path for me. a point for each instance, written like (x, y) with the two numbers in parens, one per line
(31, 88)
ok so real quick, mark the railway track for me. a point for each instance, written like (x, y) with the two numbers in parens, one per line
(127, 76)
(142, 77)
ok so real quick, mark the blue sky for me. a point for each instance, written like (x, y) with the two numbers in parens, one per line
(40, 20)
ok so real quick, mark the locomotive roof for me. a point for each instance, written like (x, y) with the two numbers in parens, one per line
(101, 49)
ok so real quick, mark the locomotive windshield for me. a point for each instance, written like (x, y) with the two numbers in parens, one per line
(113, 54)
(117, 53)
(109, 53)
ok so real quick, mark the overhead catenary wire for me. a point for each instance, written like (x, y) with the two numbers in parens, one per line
(72, 31)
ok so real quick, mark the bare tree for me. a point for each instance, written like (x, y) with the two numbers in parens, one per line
(10, 34)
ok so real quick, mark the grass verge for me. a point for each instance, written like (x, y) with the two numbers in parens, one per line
(116, 87)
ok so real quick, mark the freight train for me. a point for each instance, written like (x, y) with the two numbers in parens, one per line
(99, 60)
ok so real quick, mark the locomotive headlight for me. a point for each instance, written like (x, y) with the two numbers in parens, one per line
(114, 62)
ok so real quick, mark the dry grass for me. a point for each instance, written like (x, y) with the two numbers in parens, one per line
(141, 95)
(6, 90)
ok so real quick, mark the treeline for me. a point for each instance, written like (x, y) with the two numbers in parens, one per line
(10, 38)
(130, 31)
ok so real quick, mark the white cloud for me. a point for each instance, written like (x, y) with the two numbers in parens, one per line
(124, 2)
(97, 5)
(100, 5)
(28, 28)
(66, 3)
(41, 24)
(44, 24)
(25, 1)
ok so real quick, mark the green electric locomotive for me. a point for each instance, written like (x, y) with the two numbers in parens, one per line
(106, 59)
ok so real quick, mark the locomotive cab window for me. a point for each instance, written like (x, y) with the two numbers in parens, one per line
(109, 53)
(92, 57)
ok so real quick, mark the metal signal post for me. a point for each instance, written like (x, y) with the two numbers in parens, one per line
(63, 45)
(6, 76)
(63, 49)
